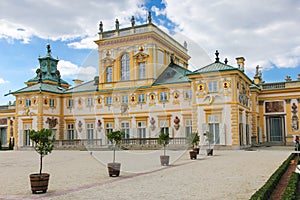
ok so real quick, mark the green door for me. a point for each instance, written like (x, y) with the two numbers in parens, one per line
(276, 128)
(3, 136)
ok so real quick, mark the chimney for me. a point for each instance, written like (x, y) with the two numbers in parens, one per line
(298, 77)
(77, 82)
(241, 63)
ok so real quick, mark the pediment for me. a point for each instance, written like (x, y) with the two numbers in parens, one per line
(108, 61)
(140, 56)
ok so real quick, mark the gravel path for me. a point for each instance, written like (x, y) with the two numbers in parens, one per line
(231, 174)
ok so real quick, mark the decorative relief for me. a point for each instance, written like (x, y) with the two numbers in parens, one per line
(176, 97)
(294, 117)
(52, 122)
(152, 98)
(176, 123)
(152, 124)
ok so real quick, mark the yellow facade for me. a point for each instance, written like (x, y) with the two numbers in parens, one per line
(144, 87)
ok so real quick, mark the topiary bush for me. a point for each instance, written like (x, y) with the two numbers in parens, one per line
(266, 190)
(291, 188)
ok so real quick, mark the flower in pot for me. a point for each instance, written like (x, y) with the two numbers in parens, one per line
(163, 139)
(209, 139)
(193, 140)
(115, 137)
(43, 144)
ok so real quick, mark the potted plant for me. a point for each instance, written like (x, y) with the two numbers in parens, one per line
(194, 140)
(43, 144)
(115, 137)
(163, 139)
(209, 138)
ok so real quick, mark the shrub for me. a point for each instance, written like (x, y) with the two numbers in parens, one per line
(163, 139)
(291, 188)
(266, 190)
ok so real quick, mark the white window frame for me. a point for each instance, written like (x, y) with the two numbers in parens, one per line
(109, 74)
(142, 70)
(70, 103)
(163, 96)
(51, 102)
(108, 100)
(141, 98)
(90, 101)
(188, 127)
(90, 131)
(188, 94)
(70, 131)
(28, 102)
(213, 86)
(125, 67)
(125, 127)
(125, 99)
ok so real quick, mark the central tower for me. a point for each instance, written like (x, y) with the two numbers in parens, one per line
(135, 56)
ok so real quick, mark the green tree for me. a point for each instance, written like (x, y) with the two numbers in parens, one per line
(193, 139)
(115, 137)
(44, 143)
(163, 139)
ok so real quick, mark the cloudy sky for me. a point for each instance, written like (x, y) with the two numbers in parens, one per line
(265, 32)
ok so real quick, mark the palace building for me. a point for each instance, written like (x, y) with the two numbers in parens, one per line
(144, 87)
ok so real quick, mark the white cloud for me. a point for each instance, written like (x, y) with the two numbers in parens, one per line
(264, 32)
(64, 20)
(86, 43)
(71, 70)
(2, 81)
(10, 31)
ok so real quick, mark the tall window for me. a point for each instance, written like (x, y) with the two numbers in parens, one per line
(71, 135)
(28, 102)
(142, 131)
(125, 129)
(214, 128)
(125, 99)
(163, 96)
(141, 98)
(188, 127)
(109, 100)
(142, 70)
(213, 86)
(90, 102)
(90, 131)
(213, 123)
(70, 103)
(51, 103)
(164, 126)
(125, 67)
(26, 135)
(108, 129)
(109, 74)
(188, 94)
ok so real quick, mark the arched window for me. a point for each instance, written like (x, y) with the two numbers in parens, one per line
(125, 68)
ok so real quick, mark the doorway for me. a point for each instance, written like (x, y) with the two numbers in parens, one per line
(275, 128)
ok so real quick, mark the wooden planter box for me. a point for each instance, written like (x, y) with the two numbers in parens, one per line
(39, 182)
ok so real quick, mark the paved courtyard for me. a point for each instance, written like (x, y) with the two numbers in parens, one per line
(229, 174)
